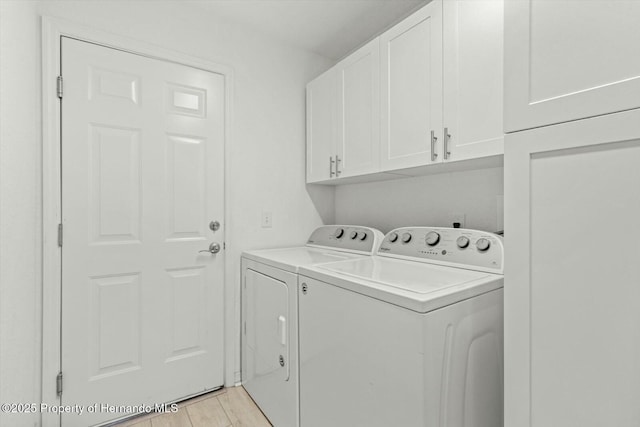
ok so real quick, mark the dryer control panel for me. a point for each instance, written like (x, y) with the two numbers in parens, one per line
(350, 238)
(459, 247)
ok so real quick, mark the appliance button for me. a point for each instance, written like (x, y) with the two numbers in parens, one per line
(354, 234)
(483, 244)
(432, 238)
(393, 237)
(462, 242)
(406, 238)
(339, 233)
(363, 237)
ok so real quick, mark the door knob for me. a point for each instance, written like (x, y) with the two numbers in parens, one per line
(214, 248)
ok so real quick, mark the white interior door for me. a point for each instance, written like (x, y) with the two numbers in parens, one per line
(142, 177)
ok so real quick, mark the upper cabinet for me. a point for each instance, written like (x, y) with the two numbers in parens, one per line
(427, 91)
(568, 60)
(321, 127)
(343, 109)
(358, 137)
(411, 96)
(473, 79)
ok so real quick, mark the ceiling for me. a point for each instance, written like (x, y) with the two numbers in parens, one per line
(331, 28)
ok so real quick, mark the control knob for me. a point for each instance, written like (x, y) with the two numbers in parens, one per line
(363, 237)
(339, 233)
(353, 235)
(483, 244)
(393, 237)
(462, 242)
(432, 238)
(406, 237)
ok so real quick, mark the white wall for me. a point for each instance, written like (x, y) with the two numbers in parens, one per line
(427, 200)
(266, 157)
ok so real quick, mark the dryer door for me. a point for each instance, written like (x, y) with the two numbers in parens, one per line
(266, 322)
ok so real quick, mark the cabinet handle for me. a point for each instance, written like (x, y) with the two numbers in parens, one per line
(338, 161)
(447, 135)
(434, 139)
(331, 162)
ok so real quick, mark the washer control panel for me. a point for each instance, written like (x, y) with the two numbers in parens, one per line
(346, 237)
(473, 249)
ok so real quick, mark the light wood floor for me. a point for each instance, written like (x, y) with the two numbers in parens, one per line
(223, 408)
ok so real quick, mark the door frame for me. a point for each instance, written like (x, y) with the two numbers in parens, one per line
(52, 30)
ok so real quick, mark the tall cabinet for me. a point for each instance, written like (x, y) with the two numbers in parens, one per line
(572, 203)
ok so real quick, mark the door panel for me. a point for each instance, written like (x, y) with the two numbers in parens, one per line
(572, 341)
(186, 287)
(186, 184)
(411, 94)
(115, 175)
(114, 325)
(142, 176)
(567, 60)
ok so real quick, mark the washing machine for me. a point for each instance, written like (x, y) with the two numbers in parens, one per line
(270, 313)
(411, 337)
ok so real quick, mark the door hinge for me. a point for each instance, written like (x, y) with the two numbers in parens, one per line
(59, 86)
(224, 245)
(60, 235)
(59, 383)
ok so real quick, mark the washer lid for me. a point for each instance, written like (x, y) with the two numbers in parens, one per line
(407, 275)
(417, 286)
(291, 259)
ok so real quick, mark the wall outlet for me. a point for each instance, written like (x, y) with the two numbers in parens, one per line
(458, 218)
(267, 219)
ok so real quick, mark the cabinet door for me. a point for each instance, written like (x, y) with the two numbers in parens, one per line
(567, 60)
(411, 95)
(358, 142)
(321, 126)
(473, 51)
(572, 293)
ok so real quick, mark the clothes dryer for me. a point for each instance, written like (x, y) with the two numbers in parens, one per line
(270, 313)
